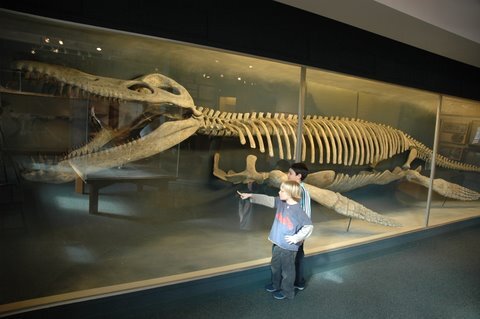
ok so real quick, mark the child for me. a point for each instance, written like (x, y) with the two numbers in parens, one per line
(290, 227)
(298, 172)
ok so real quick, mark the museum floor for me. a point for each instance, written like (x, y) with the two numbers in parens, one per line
(50, 257)
(435, 277)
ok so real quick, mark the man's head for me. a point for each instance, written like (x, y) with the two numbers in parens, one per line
(297, 172)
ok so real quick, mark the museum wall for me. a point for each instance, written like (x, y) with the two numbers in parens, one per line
(273, 30)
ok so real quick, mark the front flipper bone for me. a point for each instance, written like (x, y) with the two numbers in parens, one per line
(348, 207)
(443, 187)
(248, 175)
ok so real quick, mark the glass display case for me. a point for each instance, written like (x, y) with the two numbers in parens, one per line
(122, 155)
(457, 141)
(379, 184)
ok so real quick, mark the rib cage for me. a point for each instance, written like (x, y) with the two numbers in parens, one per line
(329, 140)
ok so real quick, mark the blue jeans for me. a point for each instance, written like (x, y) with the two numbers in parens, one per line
(283, 270)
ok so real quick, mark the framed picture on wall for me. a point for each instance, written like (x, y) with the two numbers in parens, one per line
(474, 138)
(451, 151)
(471, 156)
(454, 131)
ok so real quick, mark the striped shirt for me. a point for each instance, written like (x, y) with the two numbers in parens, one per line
(305, 201)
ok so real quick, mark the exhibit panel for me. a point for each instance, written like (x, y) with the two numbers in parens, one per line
(457, 142)
(125, 152)
(112, 138)
(374, 127)
(357, 113)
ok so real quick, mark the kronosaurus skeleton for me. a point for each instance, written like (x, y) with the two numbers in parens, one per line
(336, 140)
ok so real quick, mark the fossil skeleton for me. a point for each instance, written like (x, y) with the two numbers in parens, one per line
(329, 140)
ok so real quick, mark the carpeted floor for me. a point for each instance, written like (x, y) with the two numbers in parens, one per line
(434, 276)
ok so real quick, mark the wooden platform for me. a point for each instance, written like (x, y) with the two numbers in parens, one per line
(128, 174)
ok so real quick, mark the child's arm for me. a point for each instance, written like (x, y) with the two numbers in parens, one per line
(301, 235)
(260, 199)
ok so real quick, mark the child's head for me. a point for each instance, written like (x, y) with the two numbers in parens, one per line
(297, 172)
(290, 189)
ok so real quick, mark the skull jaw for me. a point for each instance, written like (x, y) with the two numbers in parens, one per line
(161, 139)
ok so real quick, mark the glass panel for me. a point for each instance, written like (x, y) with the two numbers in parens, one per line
(156, 209)
(366, 155)
(95, 209)
(460, 149)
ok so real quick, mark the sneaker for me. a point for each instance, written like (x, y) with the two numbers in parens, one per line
(299, 287)
(270, 288)
(278, 295)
